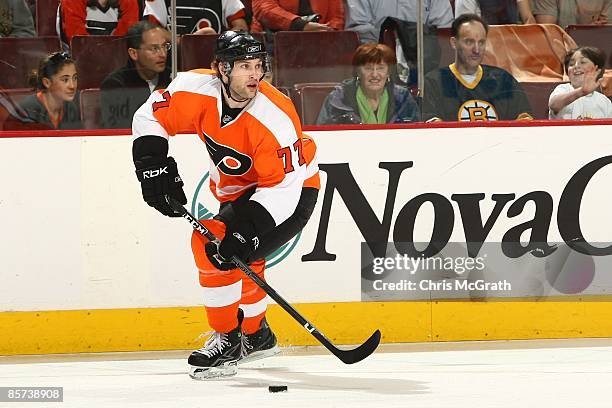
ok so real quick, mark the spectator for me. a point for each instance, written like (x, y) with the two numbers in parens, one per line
(567, 12)
(124, 90)
(16, 19)
(199, 16)
(497, 12)
(54, 103)
(95, 17)
(579, 99)
(371, 97)
(297, 15)
(366, 16)
(467, 90)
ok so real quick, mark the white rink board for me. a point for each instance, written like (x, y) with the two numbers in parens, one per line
(77, 235)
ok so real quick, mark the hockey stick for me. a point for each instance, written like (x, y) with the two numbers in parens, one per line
(347, 356)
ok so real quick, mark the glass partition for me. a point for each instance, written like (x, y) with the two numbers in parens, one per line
(399, 63)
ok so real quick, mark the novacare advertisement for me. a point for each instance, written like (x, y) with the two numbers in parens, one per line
(76, 233)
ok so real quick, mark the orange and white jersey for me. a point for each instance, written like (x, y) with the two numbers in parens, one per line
(261, 148)
(309, 148)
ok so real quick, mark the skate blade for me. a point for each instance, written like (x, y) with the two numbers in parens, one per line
(210, 373)
(258, 355)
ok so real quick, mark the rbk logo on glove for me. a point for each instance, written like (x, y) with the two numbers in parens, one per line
(154, 173)
(239, 237)
(158, 180)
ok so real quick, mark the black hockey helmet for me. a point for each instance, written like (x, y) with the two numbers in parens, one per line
(239, 45)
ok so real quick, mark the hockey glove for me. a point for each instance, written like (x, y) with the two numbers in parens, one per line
(240, 240)
(212, 253)
(159, 177)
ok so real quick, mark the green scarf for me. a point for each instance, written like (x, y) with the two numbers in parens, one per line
(365, 110)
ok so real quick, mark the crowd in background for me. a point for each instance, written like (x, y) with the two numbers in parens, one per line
(382, 86)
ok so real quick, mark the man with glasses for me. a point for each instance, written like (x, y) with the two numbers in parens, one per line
(124, 90)
(262, 172)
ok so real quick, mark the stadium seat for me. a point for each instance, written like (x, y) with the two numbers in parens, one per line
(16, 95)
(531, 53)
(295, 62)
(538, 94)
(91, 113)
(599, 36)
(46, 16)
(447, 53)
(284, 90)
(9, 105)
(22, 55)
(309, 98)
(607, 83)
(198, 51)
(97, 56)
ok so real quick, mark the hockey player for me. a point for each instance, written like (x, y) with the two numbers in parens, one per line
(262, 171)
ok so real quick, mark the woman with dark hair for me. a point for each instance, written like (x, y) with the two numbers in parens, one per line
(370, 97)
(579, 99)
(95, 17)
(54, 102)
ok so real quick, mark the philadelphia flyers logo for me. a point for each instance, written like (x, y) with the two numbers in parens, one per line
(226, 159)
(194, 17)
(477, 110)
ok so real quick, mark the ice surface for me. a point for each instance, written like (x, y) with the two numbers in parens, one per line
(507, 377)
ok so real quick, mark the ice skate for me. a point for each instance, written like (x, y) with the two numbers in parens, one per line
(218, 357)
(260, 344)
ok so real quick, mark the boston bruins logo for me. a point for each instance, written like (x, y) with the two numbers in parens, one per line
(476, 110)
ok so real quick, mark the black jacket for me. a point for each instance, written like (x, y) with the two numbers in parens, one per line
(123, 92)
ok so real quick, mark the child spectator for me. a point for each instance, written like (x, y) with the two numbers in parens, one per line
(54, 103)
(16, 19)
(199, 16)
(95, 17)
(579, 99)
(370, 97)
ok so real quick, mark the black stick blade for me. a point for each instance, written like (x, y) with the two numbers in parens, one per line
(361, 352)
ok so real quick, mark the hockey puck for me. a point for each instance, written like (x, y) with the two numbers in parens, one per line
(277, 388)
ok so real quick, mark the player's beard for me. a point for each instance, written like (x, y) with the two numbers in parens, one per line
(243, 92)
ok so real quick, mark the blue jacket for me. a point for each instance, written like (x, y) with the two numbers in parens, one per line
(340, 106)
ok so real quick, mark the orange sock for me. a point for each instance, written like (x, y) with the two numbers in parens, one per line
(223, 319)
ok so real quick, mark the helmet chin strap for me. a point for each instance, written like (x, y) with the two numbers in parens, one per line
(228, 91)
